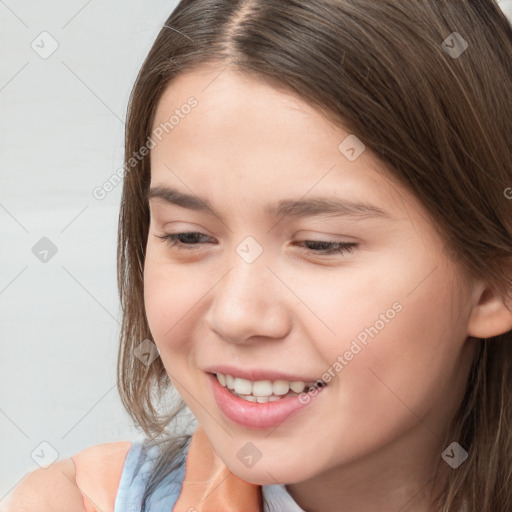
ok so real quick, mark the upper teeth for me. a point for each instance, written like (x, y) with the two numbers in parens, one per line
(261, 387)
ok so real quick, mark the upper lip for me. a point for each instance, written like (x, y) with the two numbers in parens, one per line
(255, 374)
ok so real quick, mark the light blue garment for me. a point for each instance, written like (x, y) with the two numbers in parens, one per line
(136, 472)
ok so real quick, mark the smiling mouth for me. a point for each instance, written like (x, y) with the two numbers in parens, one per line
(263, 391)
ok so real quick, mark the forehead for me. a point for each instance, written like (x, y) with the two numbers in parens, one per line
(247, 140)
(217, 86)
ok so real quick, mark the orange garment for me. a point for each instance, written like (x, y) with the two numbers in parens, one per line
(208, 486)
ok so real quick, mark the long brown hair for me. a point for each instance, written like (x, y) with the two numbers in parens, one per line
(441, 123)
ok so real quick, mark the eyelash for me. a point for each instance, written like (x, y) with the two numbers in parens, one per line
(341, 247)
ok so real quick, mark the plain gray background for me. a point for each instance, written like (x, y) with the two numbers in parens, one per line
(61, 128)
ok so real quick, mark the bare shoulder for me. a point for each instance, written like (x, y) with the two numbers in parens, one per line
(91, 475)
(52, 489)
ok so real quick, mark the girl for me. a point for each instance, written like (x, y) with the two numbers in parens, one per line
(316, 232)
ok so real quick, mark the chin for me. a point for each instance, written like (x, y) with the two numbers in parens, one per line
(260, 474)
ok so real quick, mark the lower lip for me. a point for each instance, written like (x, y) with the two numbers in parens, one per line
(254, 414)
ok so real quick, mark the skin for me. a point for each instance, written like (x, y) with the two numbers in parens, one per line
(369, 441)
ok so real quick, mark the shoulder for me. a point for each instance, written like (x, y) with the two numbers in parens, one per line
(66, 485)
(98, 471)
(46, 490)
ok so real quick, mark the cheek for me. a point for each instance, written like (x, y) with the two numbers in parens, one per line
(398, 361)
(169, 300)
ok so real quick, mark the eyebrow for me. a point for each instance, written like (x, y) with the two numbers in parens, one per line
(291, 208)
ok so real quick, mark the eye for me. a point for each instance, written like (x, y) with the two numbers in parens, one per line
(330, 247)
(187, 241)
(175, 239)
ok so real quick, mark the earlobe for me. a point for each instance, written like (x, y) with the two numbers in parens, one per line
(491, 315)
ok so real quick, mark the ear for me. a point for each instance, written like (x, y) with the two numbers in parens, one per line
(491, 314)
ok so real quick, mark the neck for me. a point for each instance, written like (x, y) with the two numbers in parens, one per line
(398, 478)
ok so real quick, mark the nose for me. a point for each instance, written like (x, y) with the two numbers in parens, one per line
(249, 303)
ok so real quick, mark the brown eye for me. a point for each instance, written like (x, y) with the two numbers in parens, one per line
(323, 247)
(186, 240)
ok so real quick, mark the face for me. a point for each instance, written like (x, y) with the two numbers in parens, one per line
(359, 294)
